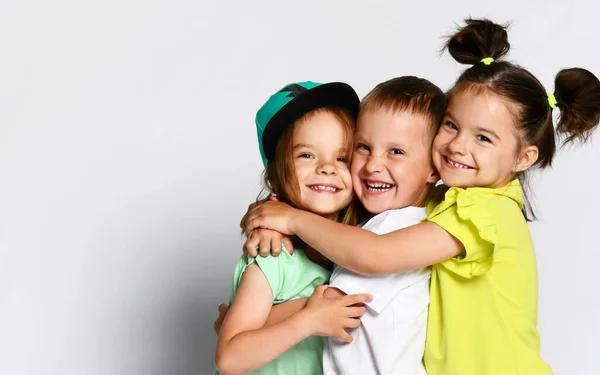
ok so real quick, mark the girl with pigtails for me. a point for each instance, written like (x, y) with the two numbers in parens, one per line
(497, 127)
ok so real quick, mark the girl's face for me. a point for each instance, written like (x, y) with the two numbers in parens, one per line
(320, 151)
(478, 144)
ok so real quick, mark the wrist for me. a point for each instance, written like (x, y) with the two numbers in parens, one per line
(296, 221)
(305, 323)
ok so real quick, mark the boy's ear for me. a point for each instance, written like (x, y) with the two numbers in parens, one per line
(434, 176)
(528, 157)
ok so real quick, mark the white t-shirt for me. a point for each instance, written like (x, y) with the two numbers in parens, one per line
(391, 337)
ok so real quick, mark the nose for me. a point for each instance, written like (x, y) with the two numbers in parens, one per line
(458, 145)
(374, 165)
(327, 168)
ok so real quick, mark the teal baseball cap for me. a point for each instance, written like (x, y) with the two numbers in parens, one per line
(293, 101)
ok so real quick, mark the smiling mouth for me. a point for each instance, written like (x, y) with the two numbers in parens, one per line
(378, 187)
(456, 164)
(324, 188)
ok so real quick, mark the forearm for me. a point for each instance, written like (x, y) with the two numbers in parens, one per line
(348, 246)
(367, 253)
(239, 354)
(285, 310)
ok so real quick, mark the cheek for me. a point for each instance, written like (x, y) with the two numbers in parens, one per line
(357, 164)
(442, 138)
(435, 146)
(491, 160)
(346, 176)
(301, 172)
(423, 165)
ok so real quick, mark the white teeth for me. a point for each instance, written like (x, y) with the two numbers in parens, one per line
(378, 187)
(387, 186)
(458, 165)
(324, 188)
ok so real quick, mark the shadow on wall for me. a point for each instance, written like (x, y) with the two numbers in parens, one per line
(164, 326)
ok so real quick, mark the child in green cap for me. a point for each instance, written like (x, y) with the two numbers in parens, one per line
(305, 134)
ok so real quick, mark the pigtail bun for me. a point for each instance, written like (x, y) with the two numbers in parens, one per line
(577, 92)
(477, 40)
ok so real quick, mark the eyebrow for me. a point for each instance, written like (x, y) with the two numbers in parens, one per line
(306, 145)
(303, 145)
(359, 139)
(391, 144)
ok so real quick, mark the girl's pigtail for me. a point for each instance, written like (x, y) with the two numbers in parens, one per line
(577, 93)
(479, 39)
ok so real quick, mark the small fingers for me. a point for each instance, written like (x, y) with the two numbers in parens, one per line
(264, 251)
(353, 299)
(244, 221)
(251, 243)
(287, 242)
(355, 312)
(251, 224)
(252, 251)
(319, 290)
(276, 238)
(265, 242)
(351, 323)
(219, 321)
(343, 335)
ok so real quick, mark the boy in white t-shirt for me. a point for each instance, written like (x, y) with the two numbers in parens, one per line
(392, 174)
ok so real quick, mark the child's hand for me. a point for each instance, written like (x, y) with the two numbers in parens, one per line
(271, 215)
(244, 220)
(330, 316)
(266, 241)
(219, 322)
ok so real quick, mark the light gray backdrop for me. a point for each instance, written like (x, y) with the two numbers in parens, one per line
(128, 155)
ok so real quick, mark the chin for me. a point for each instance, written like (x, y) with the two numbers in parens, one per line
(457, 183)
(324, 211)
(375, 209)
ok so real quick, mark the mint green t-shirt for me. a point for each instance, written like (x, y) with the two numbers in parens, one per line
(290, 277)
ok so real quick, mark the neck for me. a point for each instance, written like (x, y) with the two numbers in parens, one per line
(317, 258)
(422, 197)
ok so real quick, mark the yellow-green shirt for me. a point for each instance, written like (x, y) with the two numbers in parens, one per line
(483, 309)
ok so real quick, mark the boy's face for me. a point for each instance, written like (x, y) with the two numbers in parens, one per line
(391, 163)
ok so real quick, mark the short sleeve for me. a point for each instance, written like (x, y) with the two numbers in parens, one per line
(470, 218)
(270, 266)
(383, 288)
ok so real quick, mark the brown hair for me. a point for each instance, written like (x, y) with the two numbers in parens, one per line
(280, 176)
(408, 93)
(577, 91)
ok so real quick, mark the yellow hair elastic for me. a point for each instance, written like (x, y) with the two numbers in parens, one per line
(552, 100)
(487, 60)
